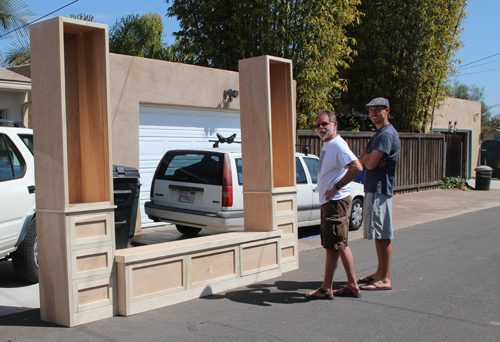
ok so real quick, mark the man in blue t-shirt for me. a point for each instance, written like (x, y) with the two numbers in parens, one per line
(380, 158)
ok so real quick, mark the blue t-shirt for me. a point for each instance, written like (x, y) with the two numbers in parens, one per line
(380, 180)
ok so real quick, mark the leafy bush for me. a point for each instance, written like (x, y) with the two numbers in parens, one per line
(453, 183)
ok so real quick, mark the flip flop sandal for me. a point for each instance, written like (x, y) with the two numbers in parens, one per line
(374, 287)
(345, 292)
(366, 280)
(314, 295)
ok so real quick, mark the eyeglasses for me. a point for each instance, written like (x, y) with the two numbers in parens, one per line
(324, 124)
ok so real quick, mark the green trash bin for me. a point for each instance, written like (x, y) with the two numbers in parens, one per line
(483, 177)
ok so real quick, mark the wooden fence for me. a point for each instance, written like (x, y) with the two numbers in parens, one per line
(421, 158)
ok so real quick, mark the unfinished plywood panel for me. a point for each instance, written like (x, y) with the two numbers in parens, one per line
(260, 215)
(157, 277)
(48, 89)
(287, 252)
(257, 257)
(86, 114)
(73, 169)
(90, 228)
(255, 129)
(212, 266)
(282, 124)
(287, 228)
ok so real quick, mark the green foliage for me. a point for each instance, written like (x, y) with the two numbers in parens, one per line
(137, 35)
(453, 183)
(82, 16)
(14, 14)
(311, 33)
(19, 53)
(474, 93)
(405, 52)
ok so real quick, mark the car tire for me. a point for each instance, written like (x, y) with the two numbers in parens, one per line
(356, 220)
(25, 258)
(188, 231)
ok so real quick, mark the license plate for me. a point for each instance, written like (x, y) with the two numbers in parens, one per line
(185, 197)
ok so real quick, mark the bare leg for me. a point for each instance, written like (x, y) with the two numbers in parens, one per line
(331, 264)
(384, 253)
(348, 263)
(382, 276)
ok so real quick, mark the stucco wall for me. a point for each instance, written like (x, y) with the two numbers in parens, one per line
(493, 135)
(463, 112)
(135, 80)
(13, 101)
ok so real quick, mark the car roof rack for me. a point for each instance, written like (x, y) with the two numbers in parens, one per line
(222, 140)
(304, 148)
(14, 123)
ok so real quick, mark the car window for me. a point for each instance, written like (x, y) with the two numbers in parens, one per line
(238, 170)
(192, 167)
(300, 173)
(27, 140)
(12, 164)
(312, 166)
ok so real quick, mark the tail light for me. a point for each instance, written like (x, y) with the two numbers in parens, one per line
(151, 192)
(227, 183)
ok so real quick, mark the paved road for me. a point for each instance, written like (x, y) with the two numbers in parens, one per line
(445, 274)
(445, 214)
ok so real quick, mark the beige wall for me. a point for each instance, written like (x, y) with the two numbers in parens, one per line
(136, 80)
(463, 112)
(491, 135)
(13, 101)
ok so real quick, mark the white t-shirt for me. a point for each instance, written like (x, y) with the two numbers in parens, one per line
(335, 155)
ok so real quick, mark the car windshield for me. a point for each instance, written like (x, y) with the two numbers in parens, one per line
(192, 167)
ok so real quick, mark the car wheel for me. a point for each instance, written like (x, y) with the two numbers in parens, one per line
(188, 231)
(25, 258)
(356, 214)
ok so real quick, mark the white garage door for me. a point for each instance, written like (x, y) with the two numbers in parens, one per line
(167, 128)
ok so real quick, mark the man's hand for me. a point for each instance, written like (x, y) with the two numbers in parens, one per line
(330, 193)
(381, 162)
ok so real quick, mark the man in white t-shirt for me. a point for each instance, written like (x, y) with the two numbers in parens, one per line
(338, 166)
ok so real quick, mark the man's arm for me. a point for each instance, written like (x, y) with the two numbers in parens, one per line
(354, 168)
(373, 159)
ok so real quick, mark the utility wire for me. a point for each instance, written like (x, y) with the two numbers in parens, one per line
(478, 72)
(475, 66)
(34, 21)
(479, 60)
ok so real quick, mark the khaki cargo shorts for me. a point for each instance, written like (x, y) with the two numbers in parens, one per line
(335, 223)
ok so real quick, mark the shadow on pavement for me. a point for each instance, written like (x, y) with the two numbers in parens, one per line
(8, 278)
(29, 318)
(289, 292)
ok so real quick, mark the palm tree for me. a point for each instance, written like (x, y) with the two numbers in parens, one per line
(14, 18)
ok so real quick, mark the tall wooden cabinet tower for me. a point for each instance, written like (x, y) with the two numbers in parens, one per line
(267, 112)
(74, 190)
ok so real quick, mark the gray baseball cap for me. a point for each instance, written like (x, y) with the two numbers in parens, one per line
(379, 101)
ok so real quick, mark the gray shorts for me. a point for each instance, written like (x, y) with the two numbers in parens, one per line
(377, 217)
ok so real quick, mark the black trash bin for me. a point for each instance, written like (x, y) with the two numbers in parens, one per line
(126, 195)
(483, 177)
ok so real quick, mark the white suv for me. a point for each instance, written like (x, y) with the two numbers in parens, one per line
(203, 188)
(17, 200)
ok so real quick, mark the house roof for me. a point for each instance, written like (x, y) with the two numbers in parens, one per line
(10, 80)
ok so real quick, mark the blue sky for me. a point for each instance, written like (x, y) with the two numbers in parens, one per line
(481, 35)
